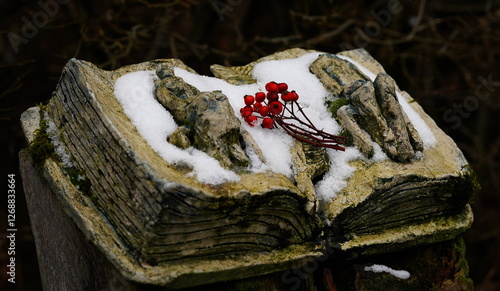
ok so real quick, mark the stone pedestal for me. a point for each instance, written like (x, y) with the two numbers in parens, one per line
(109, 213)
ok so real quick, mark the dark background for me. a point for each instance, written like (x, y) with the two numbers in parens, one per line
(436, 50)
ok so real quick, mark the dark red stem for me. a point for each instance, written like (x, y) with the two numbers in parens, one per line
(308, 133)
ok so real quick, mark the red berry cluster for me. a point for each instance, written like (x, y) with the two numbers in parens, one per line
(288, 115)
(266, 106)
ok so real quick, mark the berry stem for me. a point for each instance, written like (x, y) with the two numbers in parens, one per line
(310, 134)
(272, 112)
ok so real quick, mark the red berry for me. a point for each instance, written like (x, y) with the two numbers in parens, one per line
(246, 111)
(251, 120)
(257, 106)
(264, 111)
(294, 96)
(267, 123)
(272, 96)
(249, 99)
(260, 96)
(282, 87)
(275, 107)
(272, 87)
(286, 96)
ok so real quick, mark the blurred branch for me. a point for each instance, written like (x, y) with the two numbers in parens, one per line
(326, 36)
(17, 84)
(459, 8)
(18, 64)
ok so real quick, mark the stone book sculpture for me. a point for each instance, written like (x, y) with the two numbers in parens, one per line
(177, 186)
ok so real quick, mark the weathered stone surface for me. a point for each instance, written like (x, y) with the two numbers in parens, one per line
(216, 130)
(180, 138)
(336, 74)
(170, 224)
(362, 95)
(209, 122)
(310, 163)
(375, 107)
(235, 75)
(158, 225)
(241, 75)
(415, 139)
(433, 208)
(385, 93)
(347, 118)
(175, 94)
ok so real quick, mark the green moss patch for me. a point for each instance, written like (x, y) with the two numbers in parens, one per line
(41, 147)
(335, 105)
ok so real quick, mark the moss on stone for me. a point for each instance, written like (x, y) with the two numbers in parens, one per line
(346, 133)
(78, 179)
(471, 177)
(462, 267)
(335, 105)
(41, 147)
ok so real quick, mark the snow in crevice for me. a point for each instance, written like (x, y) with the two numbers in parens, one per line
(59, 147)
(135, 93)
(401, 274)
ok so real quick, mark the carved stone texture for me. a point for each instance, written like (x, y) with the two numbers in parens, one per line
(217, 130)
(207, 121)
(385, 92)
(362, 95)
(347, 117)
(329, 67)
(147, 216)
(241, 75)
(375, 108)
(159, 226)
(437, 174)
(310, 163)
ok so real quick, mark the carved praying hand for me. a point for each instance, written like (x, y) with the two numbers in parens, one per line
(206, 120)
(375, 109)
(373, 112)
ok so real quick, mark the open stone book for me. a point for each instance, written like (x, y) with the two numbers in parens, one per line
(161, 171)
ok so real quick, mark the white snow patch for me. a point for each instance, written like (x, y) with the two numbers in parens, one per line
(423, 130)
(295, 72)
(401, 274)
(275, 144)
(59, 147)
(135, 92)
(378, 153)
(336, 179)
